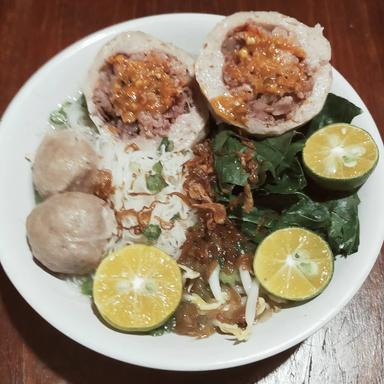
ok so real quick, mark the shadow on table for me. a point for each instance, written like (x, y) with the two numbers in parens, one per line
(76, 364)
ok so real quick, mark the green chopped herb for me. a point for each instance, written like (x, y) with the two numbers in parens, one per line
(167, 144)
(155, 183)
(152, 232)
(176, 217)
(158, 168)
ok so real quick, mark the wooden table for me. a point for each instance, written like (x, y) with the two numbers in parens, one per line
(347, 350)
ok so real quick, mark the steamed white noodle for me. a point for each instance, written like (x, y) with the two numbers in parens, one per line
(129, 168)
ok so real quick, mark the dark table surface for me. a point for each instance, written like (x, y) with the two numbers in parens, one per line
(350, 349)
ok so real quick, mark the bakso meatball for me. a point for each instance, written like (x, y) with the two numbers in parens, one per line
(65, 161)
(68, 233)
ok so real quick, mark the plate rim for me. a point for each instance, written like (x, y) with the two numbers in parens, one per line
(153, 363)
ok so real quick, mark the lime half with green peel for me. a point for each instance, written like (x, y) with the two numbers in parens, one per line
(137, 288)
(340, 156)
(293, 264)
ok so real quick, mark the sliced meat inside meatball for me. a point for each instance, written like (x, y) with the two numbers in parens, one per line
(69, 232)
(141, 87)
(64, 161)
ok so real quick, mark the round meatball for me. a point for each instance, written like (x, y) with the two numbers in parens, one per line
(68, 233)
(64, 161)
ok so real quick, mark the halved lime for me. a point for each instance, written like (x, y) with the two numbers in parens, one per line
(137, 288)
(293, 264)
(340, 156)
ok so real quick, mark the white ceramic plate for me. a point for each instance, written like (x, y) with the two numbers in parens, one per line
(22, 127)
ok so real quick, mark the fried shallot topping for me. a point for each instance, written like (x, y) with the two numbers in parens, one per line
(102, 184)
(198, 185)
(200, 174)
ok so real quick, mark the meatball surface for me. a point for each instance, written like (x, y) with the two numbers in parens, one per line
(68, 233)
(64, 161)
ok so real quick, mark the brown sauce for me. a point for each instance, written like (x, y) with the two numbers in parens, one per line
(190, 322)
(223, 244)
(213, 241)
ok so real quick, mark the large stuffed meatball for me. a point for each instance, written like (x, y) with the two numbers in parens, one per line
(64, 161)
(265, 72)
(140, 88)
(68, 233)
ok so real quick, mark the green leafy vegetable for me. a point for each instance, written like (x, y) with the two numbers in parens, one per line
(335, 220)
(343, 233)
(281, 178)
(167, 327)
(229, 170)
(271, 152)
(336, 110)
(166, 144)
(256, 224)
(279, 157)
(226, 149)
(152, 232)
(279, 169)
(227, 142)
(290, 181)
(305, 213)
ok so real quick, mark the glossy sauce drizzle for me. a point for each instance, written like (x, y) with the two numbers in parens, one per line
(142, 86)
